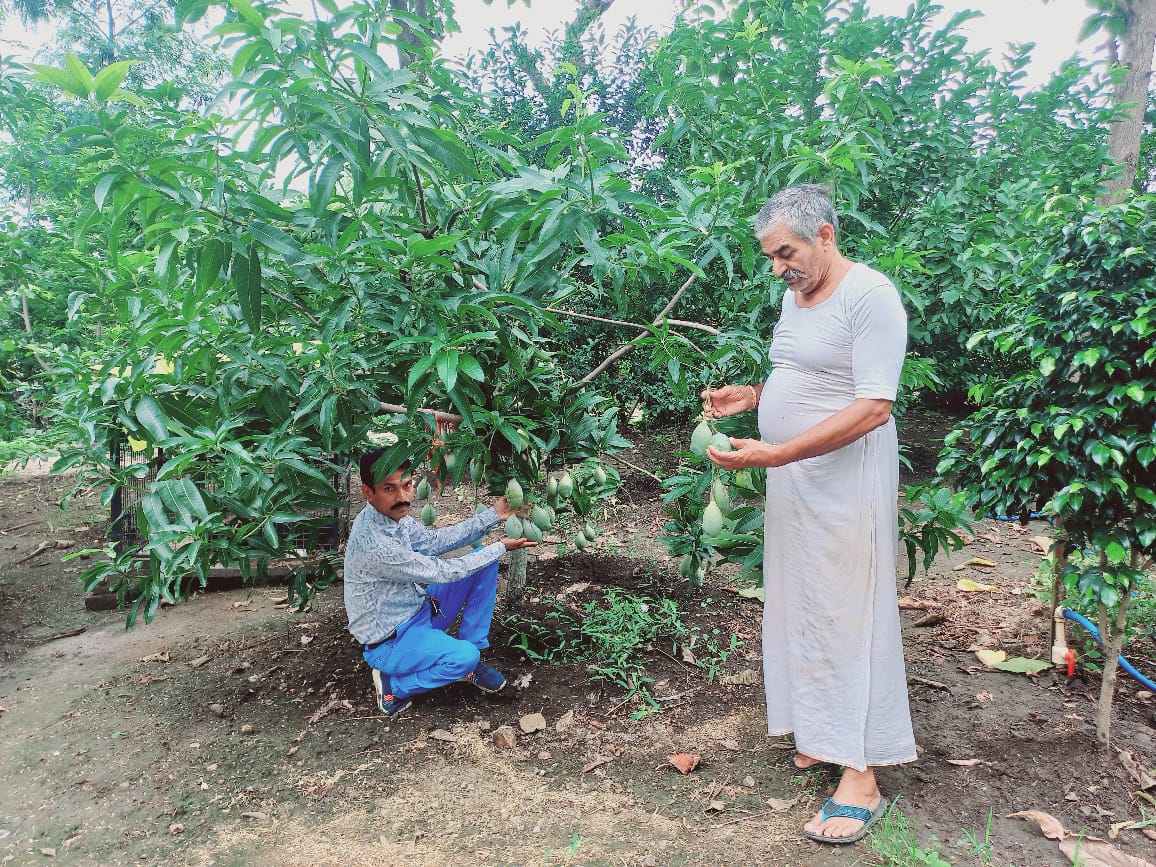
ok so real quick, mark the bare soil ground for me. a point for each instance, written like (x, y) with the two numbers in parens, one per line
(232, 731)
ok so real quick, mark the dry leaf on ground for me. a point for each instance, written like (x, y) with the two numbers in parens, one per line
(1051, 827)
(965, 763)
(163, 656)
(685, 762)
(910, 603)
(1132, 765)
(969, 586)
(1093, 853)
(990, 658)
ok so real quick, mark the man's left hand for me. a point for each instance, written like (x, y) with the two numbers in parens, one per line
(502, 507)
(746, 453)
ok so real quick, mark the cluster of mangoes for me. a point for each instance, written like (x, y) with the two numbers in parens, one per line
(542, 514)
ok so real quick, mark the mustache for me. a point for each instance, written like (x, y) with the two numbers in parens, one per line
(792, 274)
(399, 505)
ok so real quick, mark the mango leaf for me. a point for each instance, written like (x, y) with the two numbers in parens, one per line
(277, 240)
(246, 11)
(247, 281)
(108, 79)
(62, 78)
(152, 417)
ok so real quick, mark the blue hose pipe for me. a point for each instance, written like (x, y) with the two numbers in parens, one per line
(1083, 621)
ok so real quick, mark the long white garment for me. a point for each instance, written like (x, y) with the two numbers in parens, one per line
(832, 647)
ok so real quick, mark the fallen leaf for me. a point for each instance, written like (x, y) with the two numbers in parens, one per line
(48, 852)
(1150, 833)
(523, 681)
(990, 658)
(714, 807)
(1093, 853)
(969, 586)
(931, 618)
(443, 735)
(752, 593)
(256, 814)
(685, 762)
(984, 696)
(1051, 827)
(532, 722)
(686, 655)
(965, 763)
(575, 588)
(1043, 543)
(779, 805)
(163, 656)
(199, 661)
(1023, 665)
(1132, 765)
(564, 722)
(306, 639)
(597, 763)
(910, 603)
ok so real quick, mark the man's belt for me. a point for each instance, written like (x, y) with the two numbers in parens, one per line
(378, 644)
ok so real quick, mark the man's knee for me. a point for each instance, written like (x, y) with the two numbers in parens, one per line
(464, 659)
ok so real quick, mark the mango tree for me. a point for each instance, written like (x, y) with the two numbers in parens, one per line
(350, 236)
(1075, 435)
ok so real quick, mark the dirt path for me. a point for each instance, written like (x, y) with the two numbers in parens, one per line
(231, 731)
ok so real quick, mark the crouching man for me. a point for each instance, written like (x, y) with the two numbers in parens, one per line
(401, 596)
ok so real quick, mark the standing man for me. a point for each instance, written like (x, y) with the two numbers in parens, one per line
(401, 596)
(832, 648)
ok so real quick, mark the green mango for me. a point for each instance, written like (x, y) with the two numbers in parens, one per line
(531, 532)
(514, 527)
(428, 514)
(541, 518)
(688, 566)
(579, 540)
(565, 485)
(600, 475)
(514, 494)
(552, 487)
(700, 438)
(477, 471)
(721, 495)
(424, 489)
(721, 443)
(589, 532)
(712, 519)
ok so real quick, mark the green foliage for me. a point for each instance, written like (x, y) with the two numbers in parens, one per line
(897, 843)
(1075, 435)
(614, 634)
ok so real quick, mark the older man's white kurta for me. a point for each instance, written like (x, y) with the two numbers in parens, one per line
(832, 648)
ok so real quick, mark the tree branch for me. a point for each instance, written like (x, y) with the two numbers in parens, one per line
(447, 417)
(681, 323)
(624, 350)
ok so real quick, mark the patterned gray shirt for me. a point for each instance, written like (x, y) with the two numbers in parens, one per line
(387, 562)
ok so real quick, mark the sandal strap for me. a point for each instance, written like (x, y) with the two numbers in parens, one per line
(834, 810)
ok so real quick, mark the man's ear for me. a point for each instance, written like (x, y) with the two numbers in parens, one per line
(366, 490)
(827, 233)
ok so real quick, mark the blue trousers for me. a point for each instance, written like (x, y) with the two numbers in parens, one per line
(422, 656)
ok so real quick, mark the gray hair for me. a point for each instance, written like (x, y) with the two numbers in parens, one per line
(802, 208)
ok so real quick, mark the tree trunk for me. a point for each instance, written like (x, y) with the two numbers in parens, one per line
(1111, 643)
(1131, 97)
(516, 577)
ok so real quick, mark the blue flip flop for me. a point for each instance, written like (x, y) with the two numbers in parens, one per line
(834, 810)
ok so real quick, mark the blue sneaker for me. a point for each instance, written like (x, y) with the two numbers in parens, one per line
(391, 703)
(485, 678)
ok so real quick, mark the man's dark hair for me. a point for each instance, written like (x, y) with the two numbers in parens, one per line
(365, 466)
